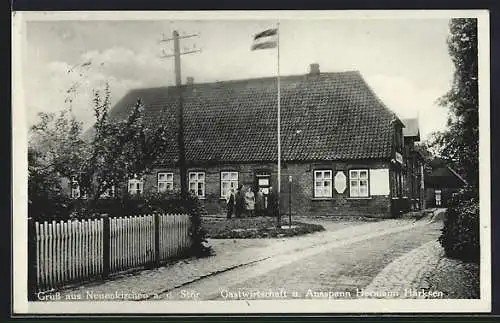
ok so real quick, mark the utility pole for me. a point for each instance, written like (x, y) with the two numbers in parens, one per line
(180, 111)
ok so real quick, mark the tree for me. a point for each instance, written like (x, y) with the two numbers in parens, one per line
(42, 182)
(54, 153)
(460, 142)
(118, 149)
(56, 139)
(55, 150)
(434, 145)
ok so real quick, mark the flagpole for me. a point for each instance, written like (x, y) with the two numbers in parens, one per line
(279, 128)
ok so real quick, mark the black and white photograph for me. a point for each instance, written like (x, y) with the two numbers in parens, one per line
(251, 162)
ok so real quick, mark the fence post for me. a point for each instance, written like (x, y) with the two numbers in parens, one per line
(106, 241)
(157, 240)
(32, 265)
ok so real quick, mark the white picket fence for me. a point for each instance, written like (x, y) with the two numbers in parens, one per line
(68, 251)
(173, 236)
(132, 242)
(75, 251)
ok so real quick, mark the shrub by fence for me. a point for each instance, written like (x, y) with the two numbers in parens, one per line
(460, 233)
(65, 252)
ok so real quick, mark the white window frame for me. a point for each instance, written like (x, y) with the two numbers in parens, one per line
(355, 177)
(197, 178)
(229, 178)
(324, 178)
(165, 179)
(138, 187)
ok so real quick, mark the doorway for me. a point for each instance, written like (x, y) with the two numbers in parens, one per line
(438, 196)
(263, 182)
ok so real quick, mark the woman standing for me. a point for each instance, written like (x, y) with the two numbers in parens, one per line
(250, 202)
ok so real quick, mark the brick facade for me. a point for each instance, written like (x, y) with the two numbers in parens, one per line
(303, 201)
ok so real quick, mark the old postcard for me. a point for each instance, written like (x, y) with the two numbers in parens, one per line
(251, 162)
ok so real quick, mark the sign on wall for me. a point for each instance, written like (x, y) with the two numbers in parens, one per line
(379, 181)
(340, 182)
(263, 181)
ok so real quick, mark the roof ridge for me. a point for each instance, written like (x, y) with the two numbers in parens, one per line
(232, 81)
(456, 174)
(340, 117)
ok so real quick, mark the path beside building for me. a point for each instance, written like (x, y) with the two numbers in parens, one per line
(426, 273)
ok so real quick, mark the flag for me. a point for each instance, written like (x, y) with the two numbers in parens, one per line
(265, 39)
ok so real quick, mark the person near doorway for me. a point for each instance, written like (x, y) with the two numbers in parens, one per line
(272, 202)
(230, 203)
(239, 201)
(250, 202)
(259, 202)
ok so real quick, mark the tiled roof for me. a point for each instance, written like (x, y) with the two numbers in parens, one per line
(411, 128)
(442, 175)
(440, 170)
(331, 116)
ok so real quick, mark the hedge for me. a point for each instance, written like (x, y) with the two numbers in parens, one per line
(460, 233)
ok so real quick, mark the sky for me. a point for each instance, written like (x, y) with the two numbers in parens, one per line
(405, 61)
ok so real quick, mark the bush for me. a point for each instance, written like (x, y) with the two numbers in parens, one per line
(56, 208)
(460, 234)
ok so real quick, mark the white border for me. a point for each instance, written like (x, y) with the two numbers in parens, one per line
(484, 155)
(21, 306)
(252, 15)
(19, 167)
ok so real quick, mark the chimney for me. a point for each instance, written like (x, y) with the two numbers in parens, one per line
(189, 80)
(314, 69)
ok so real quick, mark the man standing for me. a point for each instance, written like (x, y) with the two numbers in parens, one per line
(230, 203)
(240, 201)
(259, 202)
(273, 202)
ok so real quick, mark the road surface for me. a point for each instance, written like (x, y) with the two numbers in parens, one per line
(334, 270)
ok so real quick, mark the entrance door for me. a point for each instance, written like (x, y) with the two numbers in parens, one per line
(438, 195)
(263, 182)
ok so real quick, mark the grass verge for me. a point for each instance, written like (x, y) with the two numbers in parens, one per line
(257, 227)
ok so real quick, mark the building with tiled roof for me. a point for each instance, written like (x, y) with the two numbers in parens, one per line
(441, 182)
(342, 148)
